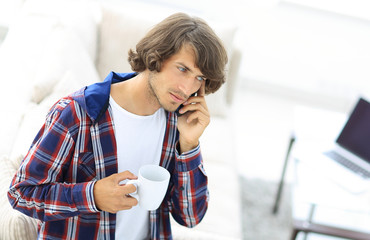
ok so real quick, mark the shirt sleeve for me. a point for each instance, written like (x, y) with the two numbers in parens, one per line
(190, 194)
(38, 188)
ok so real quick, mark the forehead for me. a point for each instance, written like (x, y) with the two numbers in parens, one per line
(186, 57)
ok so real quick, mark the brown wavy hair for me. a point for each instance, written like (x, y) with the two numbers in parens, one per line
(169, 36)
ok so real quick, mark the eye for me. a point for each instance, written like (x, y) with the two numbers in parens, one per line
(182, 69)
(199, 78)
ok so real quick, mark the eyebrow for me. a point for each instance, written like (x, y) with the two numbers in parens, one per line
(187, 68)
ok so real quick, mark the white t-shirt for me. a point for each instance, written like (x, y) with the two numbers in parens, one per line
(139, 142)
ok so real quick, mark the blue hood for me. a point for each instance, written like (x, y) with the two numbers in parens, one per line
(95, 99)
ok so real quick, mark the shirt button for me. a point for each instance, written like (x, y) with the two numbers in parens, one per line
(182, 188)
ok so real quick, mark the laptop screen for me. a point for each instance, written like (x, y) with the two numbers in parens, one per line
(355, 136)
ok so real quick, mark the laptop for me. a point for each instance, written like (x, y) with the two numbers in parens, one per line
(351, 150)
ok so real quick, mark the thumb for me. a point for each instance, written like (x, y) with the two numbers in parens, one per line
(124, 175)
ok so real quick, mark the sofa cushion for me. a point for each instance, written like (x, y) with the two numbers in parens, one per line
(11, 118)
(32, 121)
(77, 15)
(69, 83)
(121, 29)
(63, 52)
(20, 54)
(30, 34)
(13, 224)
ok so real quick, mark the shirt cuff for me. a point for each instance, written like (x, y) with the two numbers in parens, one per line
(83, 196)
(188, 161)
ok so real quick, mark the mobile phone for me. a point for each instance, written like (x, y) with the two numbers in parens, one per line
(178, 109)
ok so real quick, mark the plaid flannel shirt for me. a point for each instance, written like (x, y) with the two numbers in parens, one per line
(76, 147)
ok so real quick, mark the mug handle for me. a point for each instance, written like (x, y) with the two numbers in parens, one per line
(136, 184)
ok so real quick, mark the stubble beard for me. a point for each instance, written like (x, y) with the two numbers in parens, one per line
(153, 93)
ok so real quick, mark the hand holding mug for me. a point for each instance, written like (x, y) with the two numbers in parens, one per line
(151, 186)
(112, 197)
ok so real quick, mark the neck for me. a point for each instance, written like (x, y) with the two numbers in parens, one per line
(135, 96)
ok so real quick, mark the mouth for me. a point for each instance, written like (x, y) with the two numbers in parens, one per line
(177, 98)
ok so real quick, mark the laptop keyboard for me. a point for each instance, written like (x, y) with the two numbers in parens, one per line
(347, 163)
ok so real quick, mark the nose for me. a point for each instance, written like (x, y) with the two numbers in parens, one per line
(187, 86)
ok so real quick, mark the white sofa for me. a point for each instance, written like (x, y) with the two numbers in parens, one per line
(55, 47)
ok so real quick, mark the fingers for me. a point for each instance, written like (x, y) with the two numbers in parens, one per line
(195, 108)
(196, 111)
(128, 188)
(123, 176)
(199, 116)
(124, 202)
(128, 203)
(110, 196)
(195, 104)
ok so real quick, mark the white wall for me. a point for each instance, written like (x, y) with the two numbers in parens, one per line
(305, 52)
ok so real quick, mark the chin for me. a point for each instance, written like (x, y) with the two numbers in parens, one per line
(171, 107)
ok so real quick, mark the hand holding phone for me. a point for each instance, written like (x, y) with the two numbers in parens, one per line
(178, 109)
(195, 118)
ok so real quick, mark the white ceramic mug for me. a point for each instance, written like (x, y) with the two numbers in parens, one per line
(151, 186)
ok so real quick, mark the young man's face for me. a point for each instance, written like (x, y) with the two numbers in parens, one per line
(178, 79)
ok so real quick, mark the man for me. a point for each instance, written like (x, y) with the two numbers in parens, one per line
(71, 178)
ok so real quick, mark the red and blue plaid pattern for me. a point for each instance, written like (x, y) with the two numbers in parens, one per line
(76, 147)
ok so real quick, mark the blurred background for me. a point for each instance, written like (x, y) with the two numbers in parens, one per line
(312, 53)
(312, 50)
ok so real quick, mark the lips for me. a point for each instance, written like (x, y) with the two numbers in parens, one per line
(177, 98)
